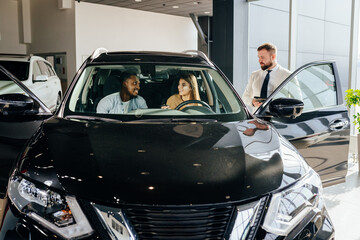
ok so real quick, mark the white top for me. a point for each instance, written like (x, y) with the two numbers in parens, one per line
(126, 106)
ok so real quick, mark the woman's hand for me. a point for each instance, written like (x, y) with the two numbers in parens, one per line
(165, 107)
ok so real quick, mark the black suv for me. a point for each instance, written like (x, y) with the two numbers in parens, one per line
(206, 169)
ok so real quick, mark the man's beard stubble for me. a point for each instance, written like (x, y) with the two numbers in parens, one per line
(264, 67)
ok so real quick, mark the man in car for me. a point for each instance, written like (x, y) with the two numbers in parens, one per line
(126, 100)
(265, 80)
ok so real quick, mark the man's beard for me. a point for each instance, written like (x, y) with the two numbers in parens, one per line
(264, 67)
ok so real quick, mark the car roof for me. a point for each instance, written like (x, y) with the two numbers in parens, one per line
(193, 57)
(19, 57)
(13, 57)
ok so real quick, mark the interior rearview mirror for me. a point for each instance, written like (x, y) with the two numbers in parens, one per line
(286, 107)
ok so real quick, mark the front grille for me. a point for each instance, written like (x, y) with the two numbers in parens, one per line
(187, 223)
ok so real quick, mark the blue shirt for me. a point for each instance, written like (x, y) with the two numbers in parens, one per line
(114, 105)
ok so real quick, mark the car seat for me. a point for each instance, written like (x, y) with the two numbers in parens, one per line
(112, 85)
(108, 83)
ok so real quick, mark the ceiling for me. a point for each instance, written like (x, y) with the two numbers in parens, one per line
(172, 7)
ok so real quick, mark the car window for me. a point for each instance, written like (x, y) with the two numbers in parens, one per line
(36, 69)
(19, 69)
(315, 86)
(44, 68)
(158, 83)
(9, 87)
(50, 69)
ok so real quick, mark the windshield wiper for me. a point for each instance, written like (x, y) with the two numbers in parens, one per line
(193, 120)
(176, 120)
(92, 118)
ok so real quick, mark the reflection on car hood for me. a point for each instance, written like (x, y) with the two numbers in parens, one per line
(164, 163)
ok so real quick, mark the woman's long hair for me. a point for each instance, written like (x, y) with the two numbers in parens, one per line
(191, 79)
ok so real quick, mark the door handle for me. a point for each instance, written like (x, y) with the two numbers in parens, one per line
(338, 124)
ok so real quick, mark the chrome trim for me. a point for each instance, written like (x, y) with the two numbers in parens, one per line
(200, 54)
(97, 53)
(118, 216)
(246, 216)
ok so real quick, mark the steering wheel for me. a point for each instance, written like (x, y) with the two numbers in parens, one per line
(193, 101)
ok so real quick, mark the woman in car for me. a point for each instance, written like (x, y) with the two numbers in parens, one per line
(188, 90)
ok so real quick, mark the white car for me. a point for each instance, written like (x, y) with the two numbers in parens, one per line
(36, 73)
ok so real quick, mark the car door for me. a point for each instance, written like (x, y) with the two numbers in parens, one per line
(55, 87)
(40, 87)
(321, 133)
(21, 114)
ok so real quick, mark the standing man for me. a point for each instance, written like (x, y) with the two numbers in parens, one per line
(265, 80)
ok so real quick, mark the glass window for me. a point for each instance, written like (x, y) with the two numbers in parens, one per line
(19, 69)
(162, 90)
(315, 86)
(36, 70)
(50, 70)
(43, 68)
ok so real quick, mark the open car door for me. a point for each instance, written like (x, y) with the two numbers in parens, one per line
(21, 114)
(308, 110)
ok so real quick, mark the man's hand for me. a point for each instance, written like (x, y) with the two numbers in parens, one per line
(256, 103)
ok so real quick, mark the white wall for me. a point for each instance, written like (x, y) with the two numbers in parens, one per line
(11, 28)
(323, 32)
(268, 22)
(121, 29)
(53, 31)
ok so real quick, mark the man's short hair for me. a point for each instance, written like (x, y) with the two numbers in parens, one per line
(126, 75)
(269, 47)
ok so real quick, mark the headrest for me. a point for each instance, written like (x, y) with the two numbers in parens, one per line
(112, 85)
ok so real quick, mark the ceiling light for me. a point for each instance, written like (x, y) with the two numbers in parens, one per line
(175, 6)
(207, 12)
(138, 0)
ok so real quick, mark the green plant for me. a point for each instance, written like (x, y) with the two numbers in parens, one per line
(352, 98)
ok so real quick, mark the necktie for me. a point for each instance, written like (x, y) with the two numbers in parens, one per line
(264, 88)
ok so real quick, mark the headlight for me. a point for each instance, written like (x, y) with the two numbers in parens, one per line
(290, 206)
(59, 214)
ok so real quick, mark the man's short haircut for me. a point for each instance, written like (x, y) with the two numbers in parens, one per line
(126, 75)
(269, 47)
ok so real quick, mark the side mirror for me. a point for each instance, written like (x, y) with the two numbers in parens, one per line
(16, 104)
(286, 107)
(41, 78)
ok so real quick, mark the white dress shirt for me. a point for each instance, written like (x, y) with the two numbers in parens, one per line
(256, 80)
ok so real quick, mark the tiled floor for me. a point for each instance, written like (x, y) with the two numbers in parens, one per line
(343, 204)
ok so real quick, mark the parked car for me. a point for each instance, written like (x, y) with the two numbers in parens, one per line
(36, 73)
(206, 170)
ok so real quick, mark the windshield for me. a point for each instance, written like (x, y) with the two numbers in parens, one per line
(153, 91)
(19, 69)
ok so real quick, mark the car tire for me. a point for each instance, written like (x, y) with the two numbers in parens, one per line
(58, 101)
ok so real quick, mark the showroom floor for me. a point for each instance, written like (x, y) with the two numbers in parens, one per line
(342, 202)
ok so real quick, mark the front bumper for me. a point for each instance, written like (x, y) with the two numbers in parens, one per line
(16, 226)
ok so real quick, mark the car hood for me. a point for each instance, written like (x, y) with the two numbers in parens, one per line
(163, 162)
